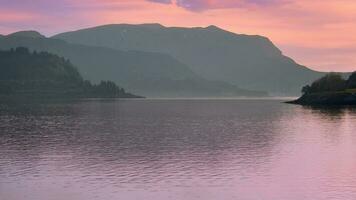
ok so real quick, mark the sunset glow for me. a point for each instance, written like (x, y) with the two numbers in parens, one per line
(320, 34)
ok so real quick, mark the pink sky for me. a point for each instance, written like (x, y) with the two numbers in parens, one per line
(320, 34)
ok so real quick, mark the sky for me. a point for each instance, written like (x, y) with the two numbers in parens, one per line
(320, 34)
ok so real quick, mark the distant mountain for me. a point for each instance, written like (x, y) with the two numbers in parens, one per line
(30, 34)
(249, 61)
(30, 75)
(148, 74)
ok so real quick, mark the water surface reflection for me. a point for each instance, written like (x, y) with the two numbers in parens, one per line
(177, 149)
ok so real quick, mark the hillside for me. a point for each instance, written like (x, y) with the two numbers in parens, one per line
(248, 61)
(41, 74)
(148, 74)
(332, 89)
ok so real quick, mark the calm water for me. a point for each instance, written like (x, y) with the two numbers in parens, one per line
(177, 149)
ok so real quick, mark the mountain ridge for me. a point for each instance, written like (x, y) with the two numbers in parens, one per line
(250, 61)
(27, 33)
(145, 73)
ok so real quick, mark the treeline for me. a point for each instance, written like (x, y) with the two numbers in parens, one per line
(43, 74)
(331, 82)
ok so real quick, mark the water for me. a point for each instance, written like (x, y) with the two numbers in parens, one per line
(177, 149)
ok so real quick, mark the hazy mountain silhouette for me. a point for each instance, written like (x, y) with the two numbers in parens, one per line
(148, 74)
(249, 61)
(30, 34)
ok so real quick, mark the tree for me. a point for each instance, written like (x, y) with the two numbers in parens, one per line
(306, 89)
(329, 83)
(351, 82)
(25, 72)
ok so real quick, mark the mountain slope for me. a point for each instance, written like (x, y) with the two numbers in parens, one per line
(148, 74)
(248, 61)
(29, 75)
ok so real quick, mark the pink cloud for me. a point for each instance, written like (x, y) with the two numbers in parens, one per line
(199, 5)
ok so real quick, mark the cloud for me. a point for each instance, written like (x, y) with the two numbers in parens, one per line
(201, 5)
(162, 1)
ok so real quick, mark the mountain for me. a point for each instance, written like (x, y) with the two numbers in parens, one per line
(30, 34)
(249, 61)
(144, 73)
(28, 75)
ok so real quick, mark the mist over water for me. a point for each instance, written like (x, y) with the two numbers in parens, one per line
(177, 149)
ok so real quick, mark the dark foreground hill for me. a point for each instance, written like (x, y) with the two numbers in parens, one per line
(331, 89)
(26, 74)
(249, 61)
(148, 74)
